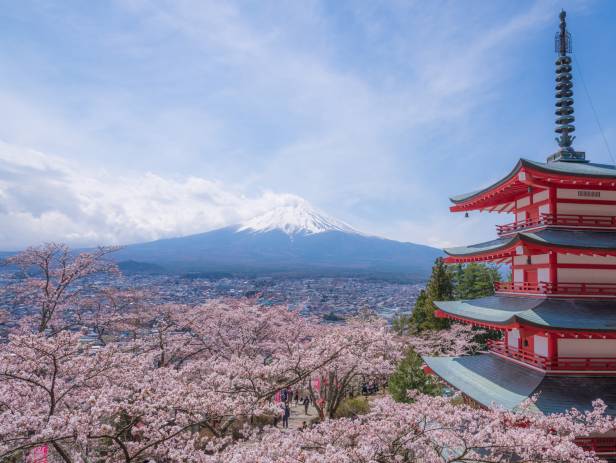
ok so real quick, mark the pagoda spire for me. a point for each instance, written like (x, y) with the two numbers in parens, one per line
(564, 94)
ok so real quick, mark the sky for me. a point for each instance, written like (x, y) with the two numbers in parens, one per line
(127, 121)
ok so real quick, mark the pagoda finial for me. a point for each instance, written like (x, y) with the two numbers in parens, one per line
(564, 93)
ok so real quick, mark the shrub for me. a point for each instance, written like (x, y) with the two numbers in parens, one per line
(352, 407)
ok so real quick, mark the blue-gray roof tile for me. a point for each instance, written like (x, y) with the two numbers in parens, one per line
(558, 313)
(491, 380)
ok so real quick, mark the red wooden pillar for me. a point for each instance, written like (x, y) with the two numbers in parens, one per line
(553, 261)
(552, 196)
(521, 335)
(552, 348)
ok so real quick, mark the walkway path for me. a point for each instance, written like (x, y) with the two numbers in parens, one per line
(298, 416)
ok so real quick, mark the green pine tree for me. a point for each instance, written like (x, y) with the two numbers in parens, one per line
(439, 288)
(446, 283)
(409, 375)
(474, 280)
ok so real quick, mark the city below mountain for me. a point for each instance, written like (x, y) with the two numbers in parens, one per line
(291, 240)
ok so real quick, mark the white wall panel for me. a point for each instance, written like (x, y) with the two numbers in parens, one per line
(518, 276)
(541, 345)
(584, 275)
(541, 196)
(575, 259)
(586, 209)
(540, 259)
(513, 337)
(587, 348)
(603, 195)
(525, 201)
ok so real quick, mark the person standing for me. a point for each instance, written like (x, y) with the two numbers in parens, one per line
(285, 416)
(306, 402)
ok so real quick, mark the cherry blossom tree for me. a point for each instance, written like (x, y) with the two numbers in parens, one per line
(109, 313)
(53, 278)
(176, 383)
(431, 430)
(194, 377)
(360, 352)
(459, 339)
(110, 404)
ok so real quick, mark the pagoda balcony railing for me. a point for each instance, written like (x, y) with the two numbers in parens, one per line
(557, 289)
(607, 364)
(597, 444)
(563, 220)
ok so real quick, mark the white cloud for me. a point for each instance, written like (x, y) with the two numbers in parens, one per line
(42, 198)
(366, 114)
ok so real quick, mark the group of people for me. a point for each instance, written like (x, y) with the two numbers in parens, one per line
(287, 396)
(369, 388)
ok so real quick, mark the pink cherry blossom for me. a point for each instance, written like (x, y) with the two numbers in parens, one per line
(177, 383)
(54, 278)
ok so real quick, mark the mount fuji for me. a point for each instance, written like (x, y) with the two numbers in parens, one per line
(293, 240)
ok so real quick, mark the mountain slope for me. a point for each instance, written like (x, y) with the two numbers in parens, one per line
(291, 239)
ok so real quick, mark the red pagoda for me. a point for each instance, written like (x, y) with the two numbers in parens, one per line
(557, 315)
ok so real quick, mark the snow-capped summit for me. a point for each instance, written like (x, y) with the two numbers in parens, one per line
(297, 218)
(292, 239)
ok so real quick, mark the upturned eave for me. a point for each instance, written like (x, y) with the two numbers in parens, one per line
(501, 195)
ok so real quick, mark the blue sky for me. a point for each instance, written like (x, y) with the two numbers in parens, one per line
(132, 120)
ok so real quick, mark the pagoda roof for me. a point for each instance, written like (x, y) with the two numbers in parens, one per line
(576, 240)
(583, 169)
(542, 174)
(501, 311)
(491, 380)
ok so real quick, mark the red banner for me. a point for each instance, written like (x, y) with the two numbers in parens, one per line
(37, 455)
